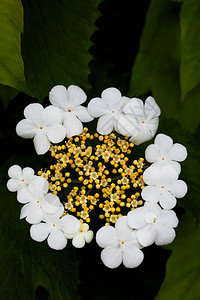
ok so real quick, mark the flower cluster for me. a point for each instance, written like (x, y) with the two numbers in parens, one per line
(96, 178)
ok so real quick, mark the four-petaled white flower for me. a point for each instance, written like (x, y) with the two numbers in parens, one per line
(84, 235)
(54, 229)
(121, 245)
(163, 186)
(153, 224)
(37, 201)
(163, 151)
(141, 120)
(69, 101)
(43, 125)
(108, 109)
(19, 178)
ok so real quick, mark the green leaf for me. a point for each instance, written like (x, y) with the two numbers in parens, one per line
(182, 281)
(26, 264)
(11, 63)
(156, 67)
(7, 93)
(56, 41)
(190, 46)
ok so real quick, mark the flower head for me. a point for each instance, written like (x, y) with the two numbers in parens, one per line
(163, 186)
(73, 113)
(108, 109)
(140, 121)
(55, 229)
(19, 178)
(163, 152)
(37, 201)
(43, 125)
(120, 245)
(153, 224)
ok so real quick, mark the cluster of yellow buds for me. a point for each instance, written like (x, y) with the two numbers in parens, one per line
(92, 171)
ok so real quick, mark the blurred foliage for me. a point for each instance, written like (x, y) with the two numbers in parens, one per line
(183, 267)
(11, 63)
(142, 48)
(55, 43)
(167, 63)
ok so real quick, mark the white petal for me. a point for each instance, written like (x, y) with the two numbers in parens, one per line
(57, 240)
(82, 113)
(168, 175)
(153, 207)
(84, 227)
(41, 142)
(178, 188)
(168, 217)
(97, 107)
(163, 142)
(177, 152)
(165, 235)
(126, 125)
(152, 110)
(135, 107)
(15, 172)
(112, 96)
(72, 124)
(78, 241)
(26, 129)
(25, 210)
(39, 232)
(51, 204)
(13, 185)
(152, 153)
(33, 212)
(54, 218)
(39, 186)
(52, 115)
(88, 236)
(25, 196)
(58, 96)
(152, 175)
(28, 173)
(123, 101)
(105, 124)
(34, 112)
(136, 217)
(111, 257)
(132, 257)
(123, 230)
(167, 201)
(76, 95)
(146, 235)
(106, 236)
(69, 224)
(151, 194)
(56, 134)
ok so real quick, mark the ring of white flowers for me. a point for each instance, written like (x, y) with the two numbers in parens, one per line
(154, 222)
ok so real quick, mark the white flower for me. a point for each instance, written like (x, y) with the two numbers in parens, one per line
(54, 228)
(153, 224)
(69, 102)
(163, 151)
(43, 125)
(108, 109)
(19, 178)
(141, 120)
(120, 245)
(163, 186)
(37, 201)
(84, 235)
